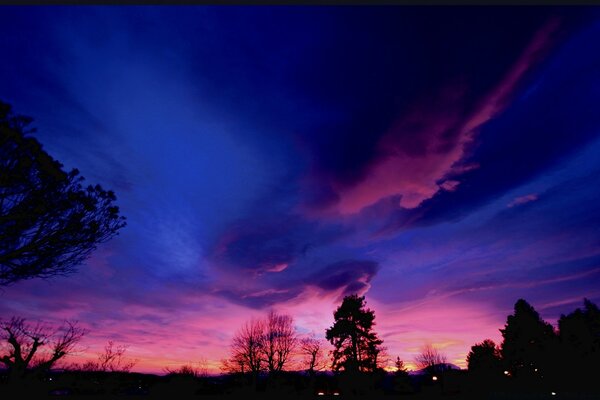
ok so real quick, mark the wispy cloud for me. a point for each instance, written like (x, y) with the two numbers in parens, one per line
(528, 198)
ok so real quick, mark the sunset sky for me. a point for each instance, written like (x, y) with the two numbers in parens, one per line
(443, 162)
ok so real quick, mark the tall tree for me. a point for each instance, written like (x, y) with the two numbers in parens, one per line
(35, 347)
(279, 341)
(528, 342)
(263, 344)
(356, 345)
(247, 347)
(484, 358)
(49, 222)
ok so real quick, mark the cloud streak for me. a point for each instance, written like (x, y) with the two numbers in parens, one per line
(425, 147)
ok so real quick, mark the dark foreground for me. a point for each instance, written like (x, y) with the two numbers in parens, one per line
(453, 384)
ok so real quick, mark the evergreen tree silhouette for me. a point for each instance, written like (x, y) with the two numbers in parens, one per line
(356, 345)
(49, 222)
(579, 334)
(529, 343)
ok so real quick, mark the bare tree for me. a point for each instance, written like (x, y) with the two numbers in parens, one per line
(112, 359)
(233, 365)
(431, 359)
(197, 370)
(262, 344)
(279, 341)
(380, 357)
(35, 347)
(247, 346)
(314, 355)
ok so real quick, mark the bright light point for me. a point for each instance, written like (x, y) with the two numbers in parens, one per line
(553, 393)
(321, 394)
(336, 394)
(505, 372)
(434, 378)
(535, 370)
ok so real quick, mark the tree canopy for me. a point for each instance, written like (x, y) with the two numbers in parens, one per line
(528, 341)
(35, 347)
(49, 222)
(579, 335)
(263, 344)
(356, 345)
(484, 358)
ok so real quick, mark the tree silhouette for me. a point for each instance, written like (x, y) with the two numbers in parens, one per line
(312, 350)
(579, 335)
(235, 364)
(35, 347)
(431, 360)
(484, 358)
(247, 347)
(199, 370)
(49, 223)
(112, 359)
(262, 344)
(400, 367)
(356, 345)
(279, 341)
(401, 380)
(529, 342)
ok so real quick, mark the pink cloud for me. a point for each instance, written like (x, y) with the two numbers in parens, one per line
(428, 143)
(278, 267)
(449, 185)
(523, 200)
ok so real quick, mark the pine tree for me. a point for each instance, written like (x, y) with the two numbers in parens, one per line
(529, 342)
(400, 367)
(357, 346)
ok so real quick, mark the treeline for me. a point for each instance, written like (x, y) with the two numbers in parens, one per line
(268, 354)
(535, 356)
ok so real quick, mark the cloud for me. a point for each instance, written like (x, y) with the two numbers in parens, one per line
(346, 277)
(427, 144)
(258, 247)
(266, 242)
(257, 298)
(517, 201)
(524, 140)
(449, 185)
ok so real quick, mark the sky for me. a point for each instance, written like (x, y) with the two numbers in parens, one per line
(441, 161)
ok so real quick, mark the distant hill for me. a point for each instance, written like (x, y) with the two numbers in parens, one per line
(444, 366)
